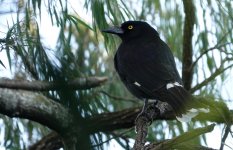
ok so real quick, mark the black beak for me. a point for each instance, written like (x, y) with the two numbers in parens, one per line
(114, 30)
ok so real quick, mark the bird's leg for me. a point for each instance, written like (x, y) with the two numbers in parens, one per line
(144, 105)
(143, 109)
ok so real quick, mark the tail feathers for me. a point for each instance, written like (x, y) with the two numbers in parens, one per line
(187, 117)
(183, 103)
(179, 99)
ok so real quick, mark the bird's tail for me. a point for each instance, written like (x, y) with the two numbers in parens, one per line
(183, 103)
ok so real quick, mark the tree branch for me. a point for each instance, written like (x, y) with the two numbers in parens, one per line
(227, 131)
(36, 107)
(206, 51)
(217, 72)
(76, 84)
(52, 141)
(187, 74)
(120, 98)
(142, 126)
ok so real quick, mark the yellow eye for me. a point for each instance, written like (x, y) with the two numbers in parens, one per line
(130, 27)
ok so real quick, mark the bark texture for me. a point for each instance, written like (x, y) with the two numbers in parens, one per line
(187, 71)
(34, 106)
(75, 84)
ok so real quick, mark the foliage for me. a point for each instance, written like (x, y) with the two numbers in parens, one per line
(82, 51)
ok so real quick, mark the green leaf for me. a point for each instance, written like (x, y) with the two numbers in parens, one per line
(186, 137)
(76, 20)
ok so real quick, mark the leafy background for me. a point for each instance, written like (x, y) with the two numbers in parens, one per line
(61, 40)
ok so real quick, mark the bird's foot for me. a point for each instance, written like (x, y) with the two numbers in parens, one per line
(147, 113)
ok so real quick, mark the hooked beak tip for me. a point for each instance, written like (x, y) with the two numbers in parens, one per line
(113, 30)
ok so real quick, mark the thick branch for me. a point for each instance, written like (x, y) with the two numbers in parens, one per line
(76, 84)
(125, 118)
(187, 73)
(36, 107)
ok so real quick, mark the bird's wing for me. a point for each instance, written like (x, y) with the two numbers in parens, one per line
(152, 68)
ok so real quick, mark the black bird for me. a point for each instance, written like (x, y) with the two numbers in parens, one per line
(147, 68)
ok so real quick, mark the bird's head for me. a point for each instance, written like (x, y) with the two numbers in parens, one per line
(132, 29)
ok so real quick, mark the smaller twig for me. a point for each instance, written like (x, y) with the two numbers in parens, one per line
(217, 72)
(2, 40)
(7, 12)
(227, 131)
(228, 146)
(120, 98)
(205, 52)
(231, 133)
(115, 135)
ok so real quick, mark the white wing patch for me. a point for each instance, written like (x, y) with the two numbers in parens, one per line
(136, 83)
(171, 85)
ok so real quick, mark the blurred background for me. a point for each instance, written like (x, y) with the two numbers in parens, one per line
(61, 40)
